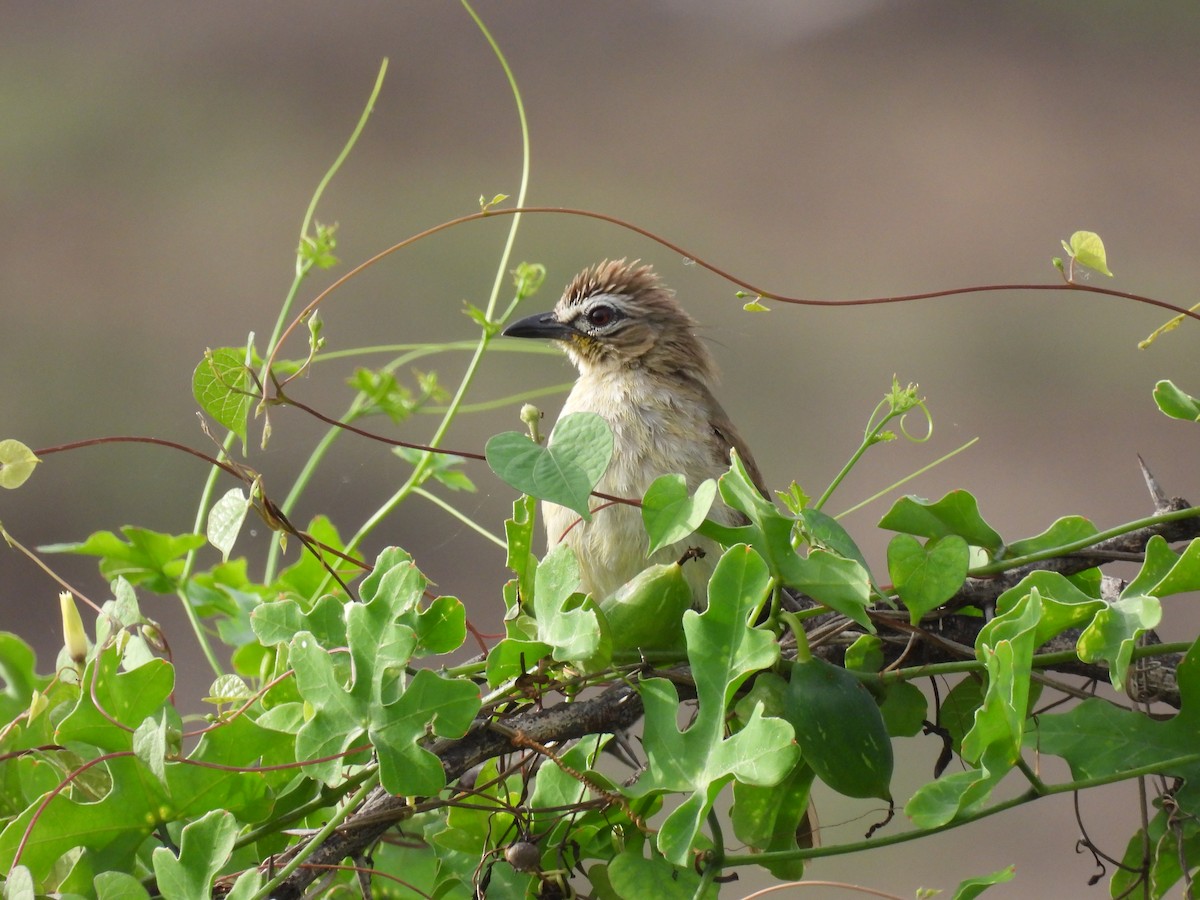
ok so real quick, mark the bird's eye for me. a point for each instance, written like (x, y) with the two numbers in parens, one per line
(601, 315)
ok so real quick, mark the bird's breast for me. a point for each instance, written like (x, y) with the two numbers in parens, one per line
(657, 428)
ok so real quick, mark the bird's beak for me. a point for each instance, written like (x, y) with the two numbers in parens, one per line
(539, 325)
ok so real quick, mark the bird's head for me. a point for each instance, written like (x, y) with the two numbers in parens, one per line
(618, 315)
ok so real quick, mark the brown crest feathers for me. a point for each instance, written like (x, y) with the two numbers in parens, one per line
(613, 277)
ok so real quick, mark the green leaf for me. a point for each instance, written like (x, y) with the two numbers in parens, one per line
(119, 886)
(973, 887)
(563, 472)
(109, 829)
(1087, 249)
(222, 386)
(307, 574)
(655, 878)
(16, 463)
(841, 584)
(382, 393)
(441, 627)
(518, 535)
(279, 621)
(1161, 838)
(1115, 630)
(19, 884)
(203, 849)
(445, 706)
(926, 577)
(904, 709)
(840, 730)
(956, 513)
(768, 818)
(566, 620)
(669, 514)
(155, 738)
(339, 716)
(1100, 740)
(149, 558)
(317, 249)
(1063, 531)
(512, 658)
(865, 654)
(1005, 645)
(700, 760)
(115, 702)
(957, 712)
(442, 468)
(371, 691)
(824, 532)
(225, 521)
(1164, 572)
(1063, 604)
(1175, 403)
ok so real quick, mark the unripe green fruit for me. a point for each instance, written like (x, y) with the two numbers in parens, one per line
(646, 613)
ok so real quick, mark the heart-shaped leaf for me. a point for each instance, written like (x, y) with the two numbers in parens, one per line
(564, 471)
(222, 386)
(926, 577)
(16, 463)
(669, 514)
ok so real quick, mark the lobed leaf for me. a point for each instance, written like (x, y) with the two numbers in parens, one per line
(567, 620)
(203, 848)
(699, 760)
(149, 558)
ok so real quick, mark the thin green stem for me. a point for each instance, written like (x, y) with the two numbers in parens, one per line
(461, 516)
(907, 478)
(1040, 661)
(502, 402)
(803, 652)
(341, 158)
(304, 264)
(302, 480)
(420, 470)
(714, 860)
(189, 562)
(1031, 776)
(1083, 543)
(870, 437)
(321, 801)
(319, 838)
(416, 351)
(757, 859)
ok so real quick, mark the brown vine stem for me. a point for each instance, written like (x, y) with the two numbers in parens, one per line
(712, 267)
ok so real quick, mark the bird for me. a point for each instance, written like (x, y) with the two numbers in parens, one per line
(644, 370)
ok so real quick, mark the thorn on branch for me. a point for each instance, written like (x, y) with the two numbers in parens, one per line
(1162, 503)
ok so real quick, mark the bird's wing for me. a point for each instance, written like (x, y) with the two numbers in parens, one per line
(728, 439)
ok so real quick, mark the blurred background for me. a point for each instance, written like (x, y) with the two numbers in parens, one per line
(156, 162)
